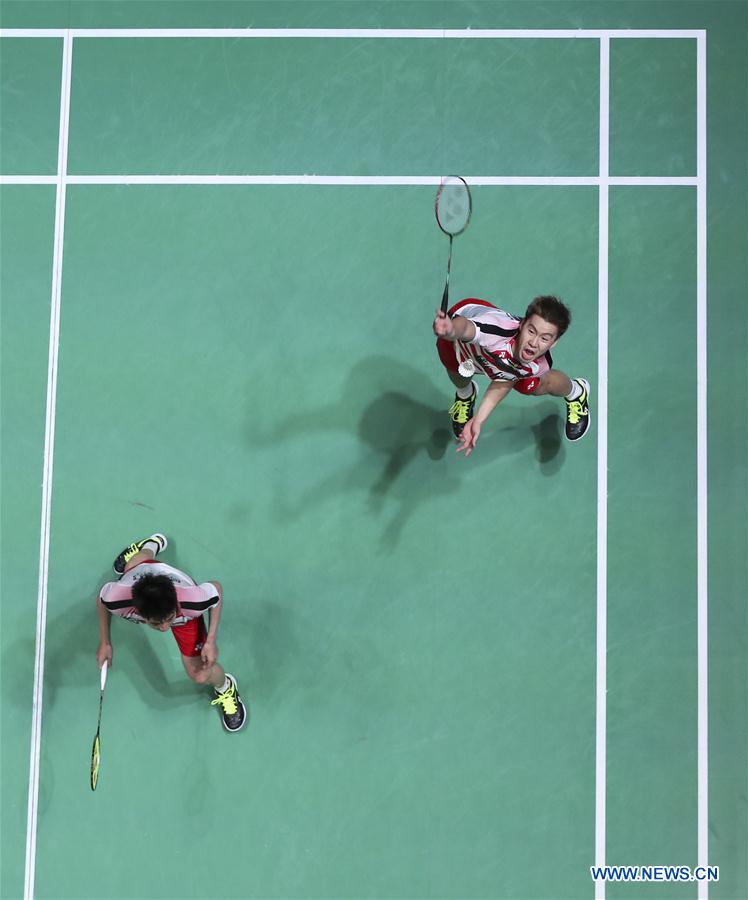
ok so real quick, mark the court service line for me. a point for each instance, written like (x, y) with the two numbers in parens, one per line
(702, 508)
(361, 33)
(601, 406)
(365, 180)
(48, 465)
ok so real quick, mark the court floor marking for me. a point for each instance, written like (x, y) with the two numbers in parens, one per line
(48, 467)
(368, 180)
(702, 500)
(601, 409)
(603, 181)
(358, 33)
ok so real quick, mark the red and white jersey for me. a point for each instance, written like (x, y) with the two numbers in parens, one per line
(192, 599)
(492, 349)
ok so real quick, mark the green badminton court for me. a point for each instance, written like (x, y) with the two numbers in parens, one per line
(466, 678)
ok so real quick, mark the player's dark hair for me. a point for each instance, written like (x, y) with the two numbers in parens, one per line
(154, 597)
(552, 310)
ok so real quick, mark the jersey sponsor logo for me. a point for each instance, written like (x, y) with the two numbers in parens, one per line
(136, 576)
(501, 366)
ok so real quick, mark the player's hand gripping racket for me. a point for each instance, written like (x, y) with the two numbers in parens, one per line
(453, 208)
(96, 750)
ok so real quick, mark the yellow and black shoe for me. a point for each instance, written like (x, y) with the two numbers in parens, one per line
(578, 413)
(233, 711)
(461, 412)
(158, 544)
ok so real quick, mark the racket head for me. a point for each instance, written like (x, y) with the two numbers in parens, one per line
(453, 205)
(95, 760)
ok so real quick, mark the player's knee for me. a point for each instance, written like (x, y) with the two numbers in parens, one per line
(198, 675)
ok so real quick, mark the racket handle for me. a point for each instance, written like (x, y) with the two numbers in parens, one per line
(445, 295)
(103, 673)
(445, 298)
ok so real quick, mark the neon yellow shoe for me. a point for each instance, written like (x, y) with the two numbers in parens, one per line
(158, 542)
(578, 413)
(461, 412)
(233, 711)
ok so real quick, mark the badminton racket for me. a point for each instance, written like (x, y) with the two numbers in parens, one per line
(453, 208)
(96, 749)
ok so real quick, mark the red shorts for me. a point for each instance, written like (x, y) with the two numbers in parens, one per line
(191, 636)
(447, 355)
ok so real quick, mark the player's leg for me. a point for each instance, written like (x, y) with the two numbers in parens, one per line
(138, 552)
(213, 675)
(190, 638)
(576, 394)
(466, 390)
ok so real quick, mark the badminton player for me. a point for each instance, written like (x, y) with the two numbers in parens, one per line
(153, 593)
(476, 337)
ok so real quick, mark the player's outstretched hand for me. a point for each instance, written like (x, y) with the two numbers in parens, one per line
(104, 654)
(443, 327)
(469, 437)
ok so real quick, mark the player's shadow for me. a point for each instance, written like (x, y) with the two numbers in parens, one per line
(271, 647)
(400, 428)
(400, 419)
(70, 645)
(548, 441)
(527, 424)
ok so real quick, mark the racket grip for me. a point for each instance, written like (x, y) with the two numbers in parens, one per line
(103, 673)
(445, 298)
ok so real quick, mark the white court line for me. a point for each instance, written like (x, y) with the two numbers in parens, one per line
(364, 180)
(29, 179)
(49, 442)
(601, 408)
(376, 33)
(702, 506)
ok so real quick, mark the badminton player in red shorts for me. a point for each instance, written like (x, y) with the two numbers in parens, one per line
(153, 593)
(476, 337)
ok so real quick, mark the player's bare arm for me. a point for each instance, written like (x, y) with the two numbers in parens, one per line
(104, 651)
(457, 329)
(209, 652)
(495, 393)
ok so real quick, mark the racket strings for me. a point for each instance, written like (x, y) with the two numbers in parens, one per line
(95, 760)
(453, 206)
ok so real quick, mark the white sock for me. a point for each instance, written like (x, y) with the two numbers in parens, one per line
(576, 390)
(152, 545)
(465, 393)
(226, 686)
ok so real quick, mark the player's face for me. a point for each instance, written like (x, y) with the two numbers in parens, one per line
(536, 337)
(165, 625)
